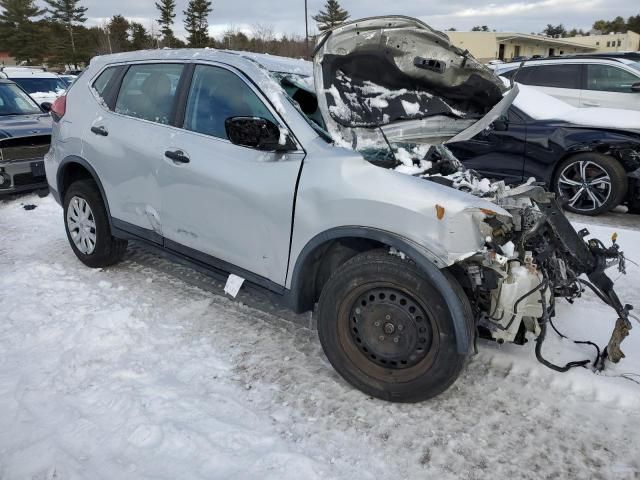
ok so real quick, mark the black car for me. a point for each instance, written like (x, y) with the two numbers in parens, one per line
(592, 169)
(25, 136)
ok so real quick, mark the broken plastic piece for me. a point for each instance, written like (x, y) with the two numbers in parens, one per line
(233, 285)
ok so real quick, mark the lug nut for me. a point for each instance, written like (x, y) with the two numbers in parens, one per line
(396, 339)
(381, 338)
(388, 317)
(400, 328)
(377, 324)
(358, 311)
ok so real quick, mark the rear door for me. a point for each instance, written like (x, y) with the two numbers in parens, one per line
(560, 80)
(223, 204)
(126, 141)
(610, 86)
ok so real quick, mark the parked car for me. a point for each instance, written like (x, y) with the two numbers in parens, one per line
(68, 79)
(43, 87)
(25, 136)
(611, 81)
(228, 160)
(590, 157)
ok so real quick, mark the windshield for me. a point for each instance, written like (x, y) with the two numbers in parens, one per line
(34, 85)
(634, 65)
(14, 101)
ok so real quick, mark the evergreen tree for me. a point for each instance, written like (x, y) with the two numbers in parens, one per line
(69, 13)
(140, 38)
(196, 22)
(333, 16)
(167, 10)
(19, 34)
(118, 31)
(633, 23)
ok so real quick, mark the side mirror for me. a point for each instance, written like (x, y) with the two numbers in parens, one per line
(46, 107)
(259, 133)
(500, 125)
(635, 87)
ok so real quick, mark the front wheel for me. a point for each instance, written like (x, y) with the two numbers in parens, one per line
(590, 183)
(385, 327)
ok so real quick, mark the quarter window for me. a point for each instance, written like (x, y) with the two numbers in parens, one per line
(148, 91)
(217, 94)
(101, 83)
(606, 78)
(557, 76)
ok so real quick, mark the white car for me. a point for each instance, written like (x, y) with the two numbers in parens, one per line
(43, 87)
(611, 81)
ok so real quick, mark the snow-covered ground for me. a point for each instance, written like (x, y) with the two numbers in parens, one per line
(130, 372)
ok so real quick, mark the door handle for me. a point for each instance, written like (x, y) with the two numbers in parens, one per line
(100, 131)
(177, 156)
(591, 104)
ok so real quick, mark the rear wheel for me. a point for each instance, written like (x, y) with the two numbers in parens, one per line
(87, 226)
(387, 330)
(590, 183)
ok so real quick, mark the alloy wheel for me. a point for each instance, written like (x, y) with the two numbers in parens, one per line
(585, 185)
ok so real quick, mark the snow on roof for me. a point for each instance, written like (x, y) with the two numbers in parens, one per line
(540, 106)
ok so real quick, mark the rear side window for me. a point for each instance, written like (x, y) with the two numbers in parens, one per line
(217, 94)
(148, 91)
(102, 82)
(606, 78)
(556, 76)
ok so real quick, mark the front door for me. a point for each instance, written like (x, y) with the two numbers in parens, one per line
(496, 152)
(222, 203)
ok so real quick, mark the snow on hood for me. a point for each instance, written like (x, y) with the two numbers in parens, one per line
(397, 71)
(540, 106)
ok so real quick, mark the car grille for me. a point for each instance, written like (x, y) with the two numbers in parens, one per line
(24, 148)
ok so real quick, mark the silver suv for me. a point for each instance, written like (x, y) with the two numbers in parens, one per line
(232, 162)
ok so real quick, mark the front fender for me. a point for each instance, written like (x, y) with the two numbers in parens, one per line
(420, 255)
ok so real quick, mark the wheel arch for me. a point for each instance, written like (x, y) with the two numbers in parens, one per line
(74, 168)
(330, 249)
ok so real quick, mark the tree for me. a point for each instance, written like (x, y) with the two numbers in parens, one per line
(555, 30)
(333, 16)
(633, 23)
(479, 28)
(68, 13)
(140, 38)
(19, 34)
(452, 29)
(167, 10)
(196, 22)
(118, 30)
(616, 25)
(576, 32)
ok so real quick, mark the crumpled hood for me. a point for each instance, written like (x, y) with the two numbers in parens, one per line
(397, 72)
(24, 125)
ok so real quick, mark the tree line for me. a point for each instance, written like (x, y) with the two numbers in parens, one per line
(58, 36)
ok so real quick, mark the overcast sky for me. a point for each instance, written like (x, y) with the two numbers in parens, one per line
(524, 16)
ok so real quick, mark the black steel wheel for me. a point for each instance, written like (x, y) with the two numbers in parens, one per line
(385, 327)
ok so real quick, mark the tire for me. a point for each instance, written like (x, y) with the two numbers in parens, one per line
(590, 183)
(105, 250)
(386, 329)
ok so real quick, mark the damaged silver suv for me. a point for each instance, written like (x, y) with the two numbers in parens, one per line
(347, 199)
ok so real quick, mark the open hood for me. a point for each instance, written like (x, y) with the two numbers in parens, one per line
(398, 74)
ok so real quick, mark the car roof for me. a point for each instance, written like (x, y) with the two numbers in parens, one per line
(272, 63)
(27, 72)
(619, 59)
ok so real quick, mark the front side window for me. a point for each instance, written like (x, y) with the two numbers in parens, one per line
(606, 78)
(148, 91)
(217, 94)
(14, 101)
(557, 76)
